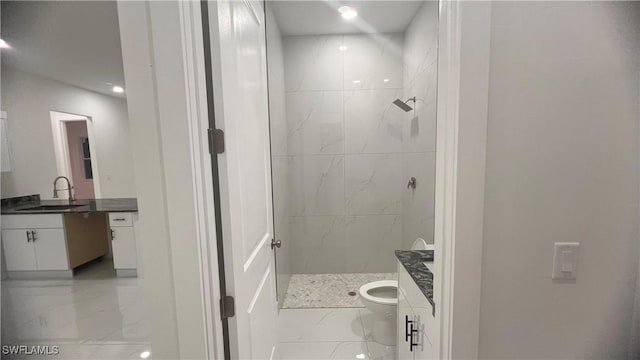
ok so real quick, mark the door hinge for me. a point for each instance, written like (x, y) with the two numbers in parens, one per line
(227, 307)
(216, 141)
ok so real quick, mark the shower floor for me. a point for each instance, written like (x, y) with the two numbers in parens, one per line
(328, 290)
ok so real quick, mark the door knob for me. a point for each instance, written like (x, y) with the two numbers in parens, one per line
(276, 243)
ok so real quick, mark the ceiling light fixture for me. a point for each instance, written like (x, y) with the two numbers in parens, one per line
(4, 45)
(118, 89)
(385, 80)
(145, 354)
(342, 48)
(347, 12)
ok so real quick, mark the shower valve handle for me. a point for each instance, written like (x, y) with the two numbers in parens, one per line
(412, 183)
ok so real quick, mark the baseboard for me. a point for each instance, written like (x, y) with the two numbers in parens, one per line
(126, 272)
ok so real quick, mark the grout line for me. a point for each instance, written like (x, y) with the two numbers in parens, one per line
(364, 333)
(353, 154)
(344, 139)
(322, 341)
(340, 90)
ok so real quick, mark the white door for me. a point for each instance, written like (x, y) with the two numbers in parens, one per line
(123, 246)
(51, 249)
(18, 250)
(240, 94)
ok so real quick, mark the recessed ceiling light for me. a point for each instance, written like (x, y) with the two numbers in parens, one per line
(145, 354)
(385, 80)
(118, 89)
(360, 356)
(4, 45)
(356, 81)
(347, 12)
(342, 48)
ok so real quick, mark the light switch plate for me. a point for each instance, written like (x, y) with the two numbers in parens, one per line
(565, 260)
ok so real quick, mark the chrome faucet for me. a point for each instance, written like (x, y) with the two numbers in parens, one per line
(69, 188)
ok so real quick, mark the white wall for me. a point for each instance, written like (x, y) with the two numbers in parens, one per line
(562, 165)
(27, 99)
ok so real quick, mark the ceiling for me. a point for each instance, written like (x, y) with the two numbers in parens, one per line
(75, 42)
(322, 17)
(78, 42)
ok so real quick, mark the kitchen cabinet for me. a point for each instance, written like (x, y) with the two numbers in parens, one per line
(19, 254)
(123, 243)
(417, 330)
(34, 242)
(51, 249)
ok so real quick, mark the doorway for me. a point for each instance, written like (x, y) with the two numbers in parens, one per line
(73, 147)
(80, 159)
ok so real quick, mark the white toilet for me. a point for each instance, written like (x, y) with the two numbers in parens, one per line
(381, 298)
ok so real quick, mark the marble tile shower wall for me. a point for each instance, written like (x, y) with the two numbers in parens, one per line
(420, 80)
(346, 150)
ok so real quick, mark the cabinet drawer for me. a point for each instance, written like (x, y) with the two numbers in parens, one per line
(28, 221)
(120, 219)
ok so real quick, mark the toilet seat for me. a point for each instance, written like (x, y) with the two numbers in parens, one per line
(367, 288)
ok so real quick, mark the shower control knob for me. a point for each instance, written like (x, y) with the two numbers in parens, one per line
(276, 243)
(412, 183)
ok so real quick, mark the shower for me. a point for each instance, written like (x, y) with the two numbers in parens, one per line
(403, 104)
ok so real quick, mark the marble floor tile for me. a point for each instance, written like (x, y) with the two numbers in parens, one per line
(366, 316)
(343, 350)
(315, 325)
(329, 290)
(328, 334)
(377, 351)
(93, 315)
(98, 351)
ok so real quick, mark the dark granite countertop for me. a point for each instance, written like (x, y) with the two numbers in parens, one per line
(31, 204)
(413, 261)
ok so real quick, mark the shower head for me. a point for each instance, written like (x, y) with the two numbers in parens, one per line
(403, 104)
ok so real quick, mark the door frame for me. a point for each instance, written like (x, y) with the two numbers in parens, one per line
(163, 62)
(463, 89)
(61, 146)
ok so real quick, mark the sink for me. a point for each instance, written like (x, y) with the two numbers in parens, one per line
(52, 207)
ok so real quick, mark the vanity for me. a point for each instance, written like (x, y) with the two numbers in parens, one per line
(49, 238)
(418, 334)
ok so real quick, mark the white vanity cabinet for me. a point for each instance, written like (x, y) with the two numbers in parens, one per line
(417, 331)
(123, 243)
(34, 242)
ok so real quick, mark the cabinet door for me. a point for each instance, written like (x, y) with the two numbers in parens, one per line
(404, 311)
(123, 246)
(425, 349)
(18, 252)
(51, 249)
